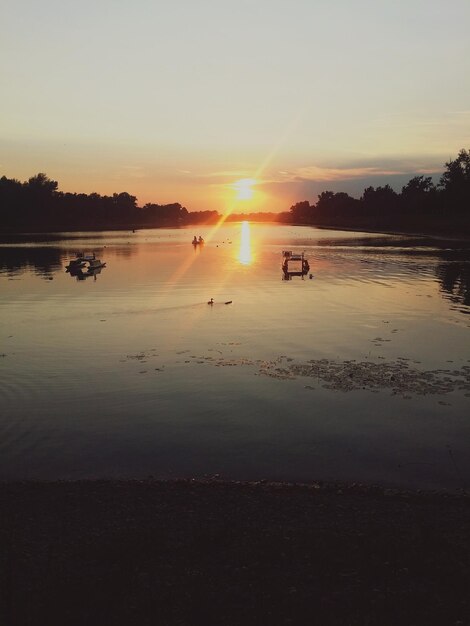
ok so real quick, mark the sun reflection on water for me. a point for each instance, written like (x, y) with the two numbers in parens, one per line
(244, 256)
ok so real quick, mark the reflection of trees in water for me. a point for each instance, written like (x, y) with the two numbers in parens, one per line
(44, 261)
(451, 266)
(373, 241)
(454, 278)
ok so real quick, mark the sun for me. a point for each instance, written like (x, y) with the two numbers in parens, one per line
(244, 188)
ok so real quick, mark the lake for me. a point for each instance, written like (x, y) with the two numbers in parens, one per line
(358, 370)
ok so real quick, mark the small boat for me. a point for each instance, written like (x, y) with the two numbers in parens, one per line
(75, 264)
(95, 264)
(294, 264)
(81, 261)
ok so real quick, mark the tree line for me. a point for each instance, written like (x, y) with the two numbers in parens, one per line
(421, 206)
(37, 205)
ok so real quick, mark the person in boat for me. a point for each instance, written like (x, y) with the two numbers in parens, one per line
(200, 240)
(194, 239)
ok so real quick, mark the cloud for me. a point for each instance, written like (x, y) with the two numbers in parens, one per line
(455, 119)
(306, 182)
(325, 174)
(225, 174)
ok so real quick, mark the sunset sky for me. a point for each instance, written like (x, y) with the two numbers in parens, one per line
(182, 100)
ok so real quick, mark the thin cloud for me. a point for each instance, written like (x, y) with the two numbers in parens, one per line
(450, 118)
(224, 173)
(325, 174)
(321, 174)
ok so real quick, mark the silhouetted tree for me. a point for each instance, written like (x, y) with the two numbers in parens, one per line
(164, 214)
(42, 184)
(202, 217)
(124, 208)
(418, 186)
(11, 201)
(301, 212)
(334, 204)
(381, 200)
(42, 196)
(455, 182)
(419, 195)
(334, 208)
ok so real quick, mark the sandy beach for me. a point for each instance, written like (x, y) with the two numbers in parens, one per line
(210, 552)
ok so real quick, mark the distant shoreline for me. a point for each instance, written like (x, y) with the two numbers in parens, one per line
(447, 235)
(409, 233)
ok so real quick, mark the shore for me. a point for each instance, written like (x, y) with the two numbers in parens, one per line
(230, 553)
(451, 235)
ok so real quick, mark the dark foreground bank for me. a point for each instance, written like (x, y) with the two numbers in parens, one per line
(194, 552)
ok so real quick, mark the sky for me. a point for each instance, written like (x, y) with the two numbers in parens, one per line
(180, 100)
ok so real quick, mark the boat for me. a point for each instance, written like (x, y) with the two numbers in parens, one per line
(94, 271)
(75, 264)
(81, 261)
(95, 264)
(299, 264)
(78, 262)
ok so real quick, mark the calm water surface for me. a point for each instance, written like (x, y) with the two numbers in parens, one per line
(131, 373)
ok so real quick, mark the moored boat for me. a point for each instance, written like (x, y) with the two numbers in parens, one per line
(95, 264)
(294, 264)
(75, 264)
(81, 261)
